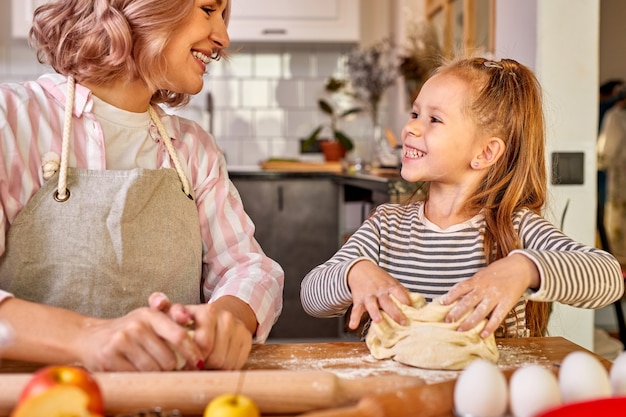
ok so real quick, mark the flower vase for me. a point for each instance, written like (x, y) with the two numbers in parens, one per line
(385, 156)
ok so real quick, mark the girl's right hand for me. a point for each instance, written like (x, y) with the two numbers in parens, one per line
(371, 289)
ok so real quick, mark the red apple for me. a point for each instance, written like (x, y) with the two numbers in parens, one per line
(57, 401)
(53, 376)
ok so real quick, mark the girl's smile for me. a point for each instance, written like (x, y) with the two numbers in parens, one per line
(412, 153)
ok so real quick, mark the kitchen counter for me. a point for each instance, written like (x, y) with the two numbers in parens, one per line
(291, 379)
(384, 185)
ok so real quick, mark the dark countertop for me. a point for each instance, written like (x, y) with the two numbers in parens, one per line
(386, 181)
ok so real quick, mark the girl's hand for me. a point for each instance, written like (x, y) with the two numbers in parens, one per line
(371, 290)
(491, 293)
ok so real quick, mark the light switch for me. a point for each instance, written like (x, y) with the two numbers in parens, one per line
(568, 168)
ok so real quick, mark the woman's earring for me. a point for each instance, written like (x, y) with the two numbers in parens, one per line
(475, 164)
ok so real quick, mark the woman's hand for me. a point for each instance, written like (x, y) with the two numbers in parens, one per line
(371, 289)
(225, 339)
(145, 339)
(223, 330)
(491, 293)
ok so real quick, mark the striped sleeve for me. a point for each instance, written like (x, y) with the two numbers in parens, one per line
(571, 273)
(324, 291)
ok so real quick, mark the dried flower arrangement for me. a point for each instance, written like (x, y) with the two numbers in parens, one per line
(371, 71)
(422, 53)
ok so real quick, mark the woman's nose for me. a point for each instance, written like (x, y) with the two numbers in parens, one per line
(219, 35)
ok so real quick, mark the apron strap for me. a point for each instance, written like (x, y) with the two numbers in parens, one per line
(170, 148)
(62, 193)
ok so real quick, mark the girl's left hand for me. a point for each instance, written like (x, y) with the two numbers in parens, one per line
(491, 293)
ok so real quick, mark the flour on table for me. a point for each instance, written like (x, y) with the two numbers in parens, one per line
(427, 341)
(358, 363)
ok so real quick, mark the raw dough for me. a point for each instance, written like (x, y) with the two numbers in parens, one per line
(427, 341)
(180, 361)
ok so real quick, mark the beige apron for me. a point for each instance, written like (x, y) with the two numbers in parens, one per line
(116, 238)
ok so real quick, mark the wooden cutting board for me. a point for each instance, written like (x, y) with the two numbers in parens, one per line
(274, 391)
(336, 379)
(297, 166)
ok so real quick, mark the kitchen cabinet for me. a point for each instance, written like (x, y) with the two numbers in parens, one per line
(295, 21)
(360, 194)
(22, 16)
(296, 219)
(328, 21)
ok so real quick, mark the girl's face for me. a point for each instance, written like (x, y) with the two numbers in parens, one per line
(439, 139)
(191, 46)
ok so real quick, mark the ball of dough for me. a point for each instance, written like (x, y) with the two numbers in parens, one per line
(427, 341)
(180, 361)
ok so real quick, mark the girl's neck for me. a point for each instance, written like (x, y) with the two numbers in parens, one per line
(447, 212)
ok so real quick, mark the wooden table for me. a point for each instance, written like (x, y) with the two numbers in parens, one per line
(292, 379)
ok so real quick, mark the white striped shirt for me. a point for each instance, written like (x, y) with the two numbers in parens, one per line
(429, 260)
(31, 121)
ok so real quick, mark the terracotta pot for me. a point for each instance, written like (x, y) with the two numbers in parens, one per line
(332, 150)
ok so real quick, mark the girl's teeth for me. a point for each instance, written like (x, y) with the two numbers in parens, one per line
(413, 153)
(201, 57)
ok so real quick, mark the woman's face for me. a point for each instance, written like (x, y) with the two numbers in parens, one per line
(191, 46)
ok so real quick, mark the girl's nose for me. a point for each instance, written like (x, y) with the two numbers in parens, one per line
(411, 128)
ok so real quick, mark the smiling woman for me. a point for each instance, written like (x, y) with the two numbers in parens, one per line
(132, 202)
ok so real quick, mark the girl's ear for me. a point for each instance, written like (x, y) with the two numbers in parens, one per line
(490, 153)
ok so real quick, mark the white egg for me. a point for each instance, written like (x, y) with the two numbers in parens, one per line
(617, 376)
(582, 377)
(532, 390)
(481, 390)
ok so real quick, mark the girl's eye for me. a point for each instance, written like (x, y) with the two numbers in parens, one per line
(207, 10)
(414, 115)
(434, 120)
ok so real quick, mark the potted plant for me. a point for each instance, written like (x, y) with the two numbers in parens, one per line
(339, 143)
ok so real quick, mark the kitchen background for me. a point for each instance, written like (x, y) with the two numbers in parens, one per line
(264, 99)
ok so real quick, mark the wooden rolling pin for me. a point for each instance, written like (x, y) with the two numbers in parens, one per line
(427, 400)
(274, 391)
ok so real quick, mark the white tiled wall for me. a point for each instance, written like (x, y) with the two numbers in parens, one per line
(264, 97)
(265, 100)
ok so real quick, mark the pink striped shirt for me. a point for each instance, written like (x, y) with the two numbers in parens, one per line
(233, 262)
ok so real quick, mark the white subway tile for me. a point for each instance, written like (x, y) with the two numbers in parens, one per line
(269, 123)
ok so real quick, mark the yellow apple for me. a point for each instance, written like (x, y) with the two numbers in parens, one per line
(53, 376)
(57, 401)
(231, 405)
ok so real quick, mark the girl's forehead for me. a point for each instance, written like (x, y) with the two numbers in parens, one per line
(445, 88)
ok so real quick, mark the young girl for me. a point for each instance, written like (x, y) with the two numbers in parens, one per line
(476, 136)
(106, 199)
